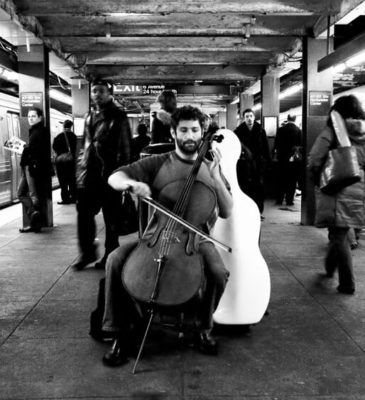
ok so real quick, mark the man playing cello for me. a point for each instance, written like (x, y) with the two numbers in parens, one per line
(147, 177)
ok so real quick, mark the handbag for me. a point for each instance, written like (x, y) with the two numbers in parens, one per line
(65, 158)
(297, 155)
(341, 167)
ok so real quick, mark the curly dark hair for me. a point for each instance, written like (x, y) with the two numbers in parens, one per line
(187, 113)
(349, 107)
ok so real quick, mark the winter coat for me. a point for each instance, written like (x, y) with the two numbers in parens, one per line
(255, 149)
(107, 145)
(37, 154)
(161, 128)
(346, 208)
(139, 143)
(60, 144)
(288, 137)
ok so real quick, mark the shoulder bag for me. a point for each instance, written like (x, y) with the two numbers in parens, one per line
(65, 158)
(341, 167)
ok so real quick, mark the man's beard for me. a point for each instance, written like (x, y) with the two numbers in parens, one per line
(188, 146)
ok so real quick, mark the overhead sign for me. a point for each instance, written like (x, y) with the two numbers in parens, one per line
(127, 89)
(319, 103)
(29, 100)
(138, 89)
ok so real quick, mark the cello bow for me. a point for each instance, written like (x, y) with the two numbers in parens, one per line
(186, 224)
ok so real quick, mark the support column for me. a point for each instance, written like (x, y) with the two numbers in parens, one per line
(222, 119)
(270, 90)
(33, 68)
(80, 90)
(246, 101)
(231, 116)
(317, 99)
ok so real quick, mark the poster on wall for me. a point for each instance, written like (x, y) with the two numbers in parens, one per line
(319, 103)
(29, 100)
(271, 126)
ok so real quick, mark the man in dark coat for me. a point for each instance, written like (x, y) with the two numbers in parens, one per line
(36, 169)
(161, 125)
(140, 141)
(64, 143)
(255, 157)
(287, 142)
(107, 146)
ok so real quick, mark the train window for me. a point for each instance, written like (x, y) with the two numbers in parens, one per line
(13, 124)
(9, 124)
(16, 126)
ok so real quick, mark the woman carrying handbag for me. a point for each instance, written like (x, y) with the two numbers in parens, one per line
(341, 206)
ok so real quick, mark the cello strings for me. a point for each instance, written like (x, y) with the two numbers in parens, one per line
(181, 204)
(183, 200)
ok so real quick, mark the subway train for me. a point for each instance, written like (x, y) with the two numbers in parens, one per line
(9, 162)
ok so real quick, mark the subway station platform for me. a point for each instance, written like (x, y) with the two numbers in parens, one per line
(310, 346)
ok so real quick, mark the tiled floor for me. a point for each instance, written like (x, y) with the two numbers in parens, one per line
(310, 346)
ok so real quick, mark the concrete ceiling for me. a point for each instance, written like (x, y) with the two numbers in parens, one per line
(229, 42)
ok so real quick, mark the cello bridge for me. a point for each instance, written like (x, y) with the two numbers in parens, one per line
(170, 237)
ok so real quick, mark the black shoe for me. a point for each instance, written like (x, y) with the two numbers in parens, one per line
(63, 202)
(206, 343)
(27, 229)
(116, 355)
(345, 290)
(100, 264)
(82, 263)
(290, 203)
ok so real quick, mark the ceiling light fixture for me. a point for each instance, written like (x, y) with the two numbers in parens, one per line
(290, 91)
(27, 44)
(59, 96)
(337, 69)
(247, 30)
(108, 31)
(122, 14)
(357, 59)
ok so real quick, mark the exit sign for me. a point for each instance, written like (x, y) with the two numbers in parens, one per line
(127, 89)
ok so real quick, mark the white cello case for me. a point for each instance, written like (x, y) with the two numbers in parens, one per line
(247, 293)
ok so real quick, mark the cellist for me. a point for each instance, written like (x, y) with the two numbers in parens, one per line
(147, 177)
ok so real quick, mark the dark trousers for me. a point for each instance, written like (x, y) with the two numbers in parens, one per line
(89, 202)
(27, 193)
(250, 181)
(339, 257)
(121, 310)
(67, 178)
(286, 181)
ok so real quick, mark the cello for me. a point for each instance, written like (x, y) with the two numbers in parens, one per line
(165, 269)
(247, 293)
